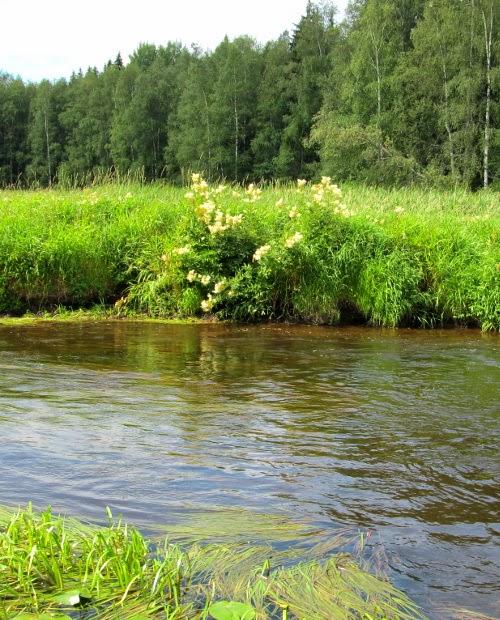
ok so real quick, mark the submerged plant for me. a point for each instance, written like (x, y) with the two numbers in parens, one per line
(52, 567)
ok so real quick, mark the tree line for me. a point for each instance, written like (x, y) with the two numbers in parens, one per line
(397, 92)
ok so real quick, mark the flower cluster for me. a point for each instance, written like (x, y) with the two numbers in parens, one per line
(199, 187)
(341, 209)
(260, 252)
(216, 220)
(220, 286)
(208, 303)
(293, 240)
(205, 211)
(253, 193)
(324, 188)
(192, 276)
(223, 221)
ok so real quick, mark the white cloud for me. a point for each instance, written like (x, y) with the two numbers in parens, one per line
(51, 38)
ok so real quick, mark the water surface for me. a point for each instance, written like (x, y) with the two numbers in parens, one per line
(393, 432)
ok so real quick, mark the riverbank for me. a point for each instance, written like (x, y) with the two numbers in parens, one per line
(58, 566)
(96, 314)
(303, 253)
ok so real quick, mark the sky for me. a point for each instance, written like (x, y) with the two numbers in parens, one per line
(51, 38)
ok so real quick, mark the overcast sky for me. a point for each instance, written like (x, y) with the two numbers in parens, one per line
(51, 38)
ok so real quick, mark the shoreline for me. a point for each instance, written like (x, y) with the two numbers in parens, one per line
(104, 316)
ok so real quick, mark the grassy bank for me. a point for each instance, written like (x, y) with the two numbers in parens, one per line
(61, 568)
(302, 252)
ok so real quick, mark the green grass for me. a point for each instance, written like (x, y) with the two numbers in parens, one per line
(64, 568)
(385, 257)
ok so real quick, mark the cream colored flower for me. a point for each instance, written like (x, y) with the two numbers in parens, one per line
(205, 280)
(234, 220)
(219, 287)
(192, 275)
(253, 193)
(398, 210)
(335, 190)
(218, 227)
(293, 213)
(195, 177)
(260, 252)
(207, 304)
(279, 203)
(294, 239)
(208, 206)
(181, 251)
(326, 181)
(189, 195)
(301, 182)
(205, 211)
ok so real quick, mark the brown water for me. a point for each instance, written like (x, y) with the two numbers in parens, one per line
(395, 432)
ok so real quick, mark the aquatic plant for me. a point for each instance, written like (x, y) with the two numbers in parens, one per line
(56, 567)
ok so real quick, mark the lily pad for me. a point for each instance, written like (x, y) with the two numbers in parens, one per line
(231, 610)
(72, 598)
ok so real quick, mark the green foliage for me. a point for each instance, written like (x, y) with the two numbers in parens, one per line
(55, 567)
(387, 257)
(231, 610)
(398, 93)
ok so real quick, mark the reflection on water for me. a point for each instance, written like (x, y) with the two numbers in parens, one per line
(393, 431)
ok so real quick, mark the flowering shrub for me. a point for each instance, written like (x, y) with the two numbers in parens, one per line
(222, 266)
(307, 256)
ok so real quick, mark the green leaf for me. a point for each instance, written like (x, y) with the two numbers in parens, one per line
(231, 610)
(46, 616)
(72, 598)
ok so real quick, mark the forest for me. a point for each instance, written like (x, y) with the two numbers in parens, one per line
(396, 93)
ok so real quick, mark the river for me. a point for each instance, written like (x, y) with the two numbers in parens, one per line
(391, 432)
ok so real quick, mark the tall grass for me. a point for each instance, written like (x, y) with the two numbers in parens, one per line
(55, 567)
(386, 257)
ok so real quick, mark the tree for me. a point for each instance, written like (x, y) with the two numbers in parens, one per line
(87, 119)
(45, 134)
(310, 48)
(237, 69)
(146, 96)
(14, 114)
(191, 136)
(274, 97)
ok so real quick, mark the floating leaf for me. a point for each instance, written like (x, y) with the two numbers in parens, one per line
(231, 610)
(46, 616)
(72, 598)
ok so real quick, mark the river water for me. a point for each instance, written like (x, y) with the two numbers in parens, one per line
(395, 433)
